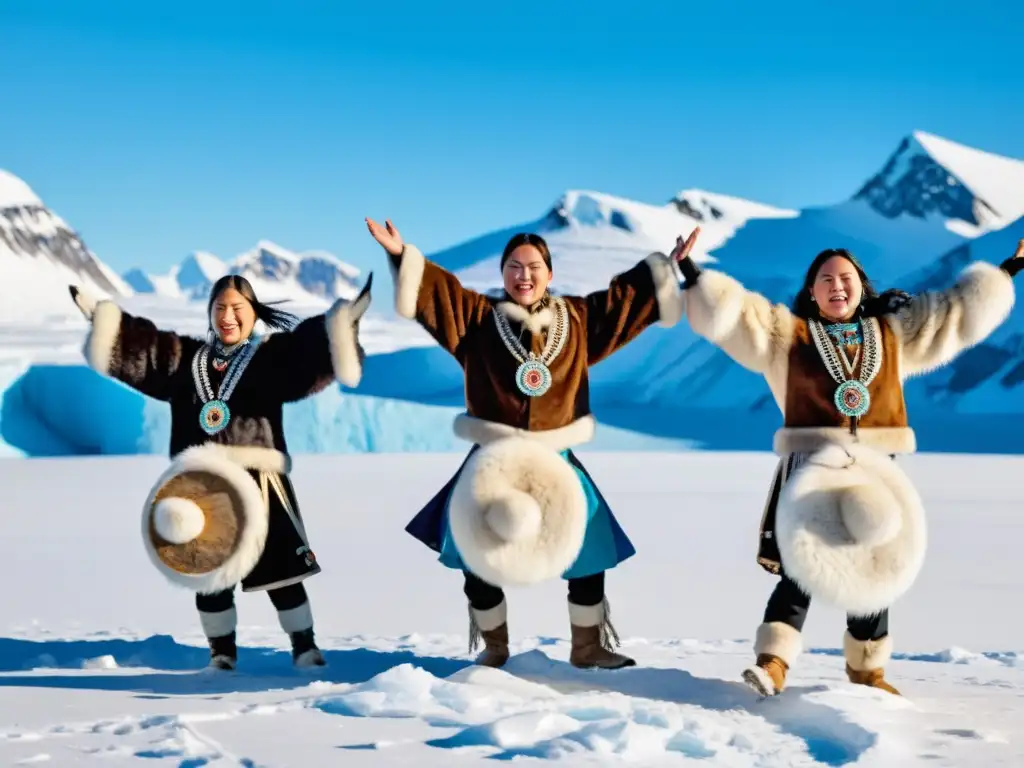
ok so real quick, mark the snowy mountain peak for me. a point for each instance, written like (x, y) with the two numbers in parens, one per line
(275, 272)
(929, 176)
(15, 193)
(40, 255)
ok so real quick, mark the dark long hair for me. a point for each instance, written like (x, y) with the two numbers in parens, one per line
(804, 306)
(527, 238)
(270, 315)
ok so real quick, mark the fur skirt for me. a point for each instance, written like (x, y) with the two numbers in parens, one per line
(605, 543)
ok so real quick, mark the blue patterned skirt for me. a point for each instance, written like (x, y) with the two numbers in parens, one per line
(605, 544)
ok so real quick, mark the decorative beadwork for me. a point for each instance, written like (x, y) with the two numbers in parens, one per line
(215, 414)
(851, 397)
(533, 377)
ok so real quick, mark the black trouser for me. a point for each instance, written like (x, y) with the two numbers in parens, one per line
(283, 598)
(788, 604)
(586, 591)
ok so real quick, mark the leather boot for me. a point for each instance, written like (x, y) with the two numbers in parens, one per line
(777, 646)
(866, 660)
(491, 628)
(593, 638)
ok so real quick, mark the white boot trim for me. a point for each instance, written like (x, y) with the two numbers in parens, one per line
(866, 655)
(297, 619)
(219, 624)
(778, 639)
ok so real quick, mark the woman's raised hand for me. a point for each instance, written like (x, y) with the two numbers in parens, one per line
(387, 236)
(683, 247)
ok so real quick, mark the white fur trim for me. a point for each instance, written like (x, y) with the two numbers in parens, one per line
(810, 439)
(670, 297)
(297, 619)
(938, 325)
(178, 520)
(342, 336)
(219, 624)
(482, 432)
(543, 485)
(534, 322)
(745, 325)
(779, 639)
(586, 615)
(208, 458)
(103, 336)
(253, 457)
(867, 655)
(408, 278)
(836, 485)
(714, 305)
(492, 618)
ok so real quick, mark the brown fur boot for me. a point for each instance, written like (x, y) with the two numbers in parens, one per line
(777, 646)
(866, 660)
(592, 638)
(491, 627)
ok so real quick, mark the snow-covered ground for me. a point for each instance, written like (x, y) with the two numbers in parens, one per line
(98, 654)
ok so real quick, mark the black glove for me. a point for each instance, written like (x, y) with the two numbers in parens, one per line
(887, 303)
(1012, 266)
(690, 272)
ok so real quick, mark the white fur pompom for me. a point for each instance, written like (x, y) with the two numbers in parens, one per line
(514, 517)
(178, 520)
(851, 529)
(518, 513)
(871, 513)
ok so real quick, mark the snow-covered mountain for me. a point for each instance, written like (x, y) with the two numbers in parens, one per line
(593, 235)
(310, 278)
(973, 191)
(930, 196)
(40, 254)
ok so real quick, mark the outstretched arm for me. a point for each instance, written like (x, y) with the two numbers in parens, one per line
(745, 325)
(935, 326)
(319, 350)
(132, 349)
(639, 297)
(427, 293)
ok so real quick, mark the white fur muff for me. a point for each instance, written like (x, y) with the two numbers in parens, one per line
(851, 528)
(518, 513)
(180, 520)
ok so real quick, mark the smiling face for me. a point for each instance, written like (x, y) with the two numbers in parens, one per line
(232, 316)
(837, 289)
(526, 275)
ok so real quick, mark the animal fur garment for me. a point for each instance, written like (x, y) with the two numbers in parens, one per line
(518, 513)
(462, 322)
(243, 551)
(851, 529)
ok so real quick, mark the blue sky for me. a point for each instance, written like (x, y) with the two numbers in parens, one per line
(158, 129)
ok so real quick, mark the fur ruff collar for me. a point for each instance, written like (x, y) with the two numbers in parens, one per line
(536, 321)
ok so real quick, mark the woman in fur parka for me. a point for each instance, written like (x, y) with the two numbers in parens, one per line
(226, 394)
(522, 508)
(843, 523)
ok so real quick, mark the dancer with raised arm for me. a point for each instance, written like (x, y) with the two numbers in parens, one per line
(225, 511)
(843, 523)
(522, 508)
